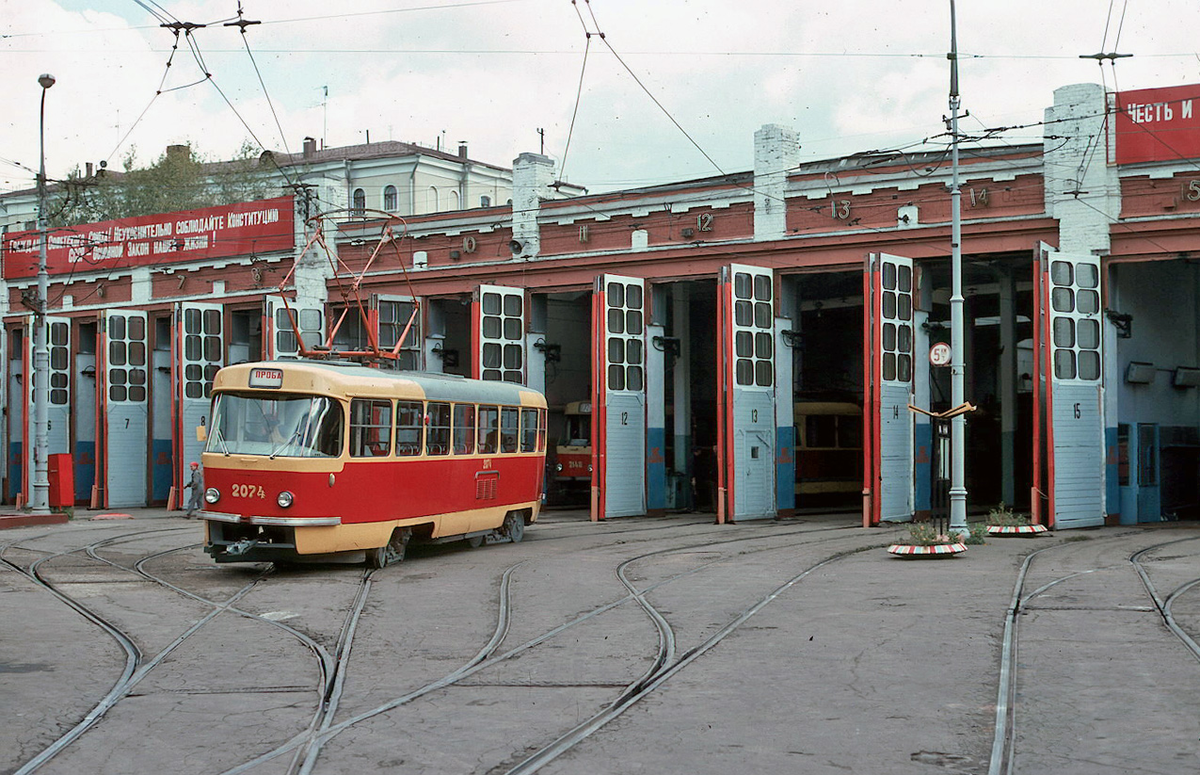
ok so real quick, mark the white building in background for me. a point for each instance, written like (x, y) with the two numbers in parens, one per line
(388, 177)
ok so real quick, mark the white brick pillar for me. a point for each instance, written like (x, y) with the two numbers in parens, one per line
(313, 269)
(1082, 191)
(776, 150)
(532, 176)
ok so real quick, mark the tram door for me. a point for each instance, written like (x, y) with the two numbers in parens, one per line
(391, 316)
(280, 333)
(498, 334)
(58, 406)
(746, 398)
(126, 408)
(619, 397)
(888, 426)
(1067, 306)
(199, 353)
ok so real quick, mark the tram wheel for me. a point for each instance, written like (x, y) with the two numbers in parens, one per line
(390, 553)
(475, 542)
(514, 526)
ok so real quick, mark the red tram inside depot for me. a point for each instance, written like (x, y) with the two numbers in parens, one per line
(318, 460)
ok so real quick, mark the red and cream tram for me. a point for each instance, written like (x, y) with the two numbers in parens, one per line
(310, 459)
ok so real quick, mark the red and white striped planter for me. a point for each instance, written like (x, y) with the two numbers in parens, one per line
(1016, 530)
(913, 551)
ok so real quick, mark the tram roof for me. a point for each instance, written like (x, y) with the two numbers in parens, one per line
(353, 377)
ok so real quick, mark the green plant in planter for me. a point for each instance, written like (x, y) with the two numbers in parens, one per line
(926, 534)
(1003, 516)
(978, 533)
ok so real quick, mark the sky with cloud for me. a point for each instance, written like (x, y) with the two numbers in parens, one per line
(625, 92)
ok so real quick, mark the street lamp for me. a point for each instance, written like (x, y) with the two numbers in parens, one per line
(958, 425)
(39, 502)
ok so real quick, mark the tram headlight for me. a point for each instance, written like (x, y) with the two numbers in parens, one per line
(212, 495)
(558, 467)
(285, 499)
(589, 468)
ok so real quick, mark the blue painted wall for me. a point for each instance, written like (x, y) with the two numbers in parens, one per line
(656, 468)
(785, 468)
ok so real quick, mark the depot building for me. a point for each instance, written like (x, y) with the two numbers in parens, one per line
(756, 345)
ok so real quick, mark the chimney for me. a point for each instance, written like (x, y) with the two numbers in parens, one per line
(179, 152)
(88, 169)
(532, 175)
(776, 151)
(310, 147)
(462, 151)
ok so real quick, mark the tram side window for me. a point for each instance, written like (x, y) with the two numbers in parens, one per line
(541, 442)
(437, 433)
(509, 428)
(489, 429)
(408, 427)
(529, 430)
(849, 432)
(370, 428)
(821, 431)
(464, 429)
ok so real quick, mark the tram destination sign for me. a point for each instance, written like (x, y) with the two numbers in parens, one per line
(266, 378)
(245, 228)
(1157, 125)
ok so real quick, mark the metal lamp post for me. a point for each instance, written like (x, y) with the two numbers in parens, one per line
(958, 425)
(39, 502)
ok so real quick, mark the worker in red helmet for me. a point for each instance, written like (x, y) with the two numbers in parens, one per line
(196, 485)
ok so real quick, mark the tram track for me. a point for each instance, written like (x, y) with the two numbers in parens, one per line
(131, 672)
(664, 665)
(137, 665)
(332, 667)
(305, 747)
(663, 673)
(1003, 756)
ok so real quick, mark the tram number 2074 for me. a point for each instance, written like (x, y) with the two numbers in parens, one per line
(247, 491)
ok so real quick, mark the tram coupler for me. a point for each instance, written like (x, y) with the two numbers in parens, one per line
(238, 548)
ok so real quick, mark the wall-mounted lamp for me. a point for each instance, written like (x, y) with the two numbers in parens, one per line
(1122, 321)
(553, 352)
(100, 291)
(515, 246)
(793, 339)
(667, 344)
(449, 357)
(1139, 373)
(1185, 377)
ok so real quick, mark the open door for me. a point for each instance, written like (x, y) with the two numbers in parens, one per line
(126, 411)
(618, 397)
(280, 333)
(391, 315)
(1069, 363)
(746, 393)
(58, 405)
(887, 420)
(498, 341)
(199, 353)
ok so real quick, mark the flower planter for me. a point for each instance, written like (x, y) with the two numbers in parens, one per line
(1016, 530)
(937, 551)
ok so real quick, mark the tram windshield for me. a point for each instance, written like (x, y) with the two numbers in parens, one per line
(282, 425)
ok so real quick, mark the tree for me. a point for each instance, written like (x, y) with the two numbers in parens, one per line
(178, 180)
